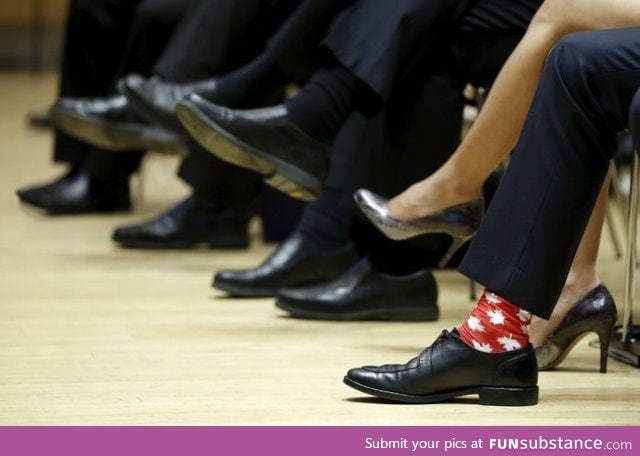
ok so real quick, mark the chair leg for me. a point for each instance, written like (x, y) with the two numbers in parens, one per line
(630, 260)
(36, 37)
(618, 194)
(622, 203)
(473, 293)
(615, 241)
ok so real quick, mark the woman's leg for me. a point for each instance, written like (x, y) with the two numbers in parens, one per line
(498, 126)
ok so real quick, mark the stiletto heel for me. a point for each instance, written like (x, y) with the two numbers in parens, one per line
(596, 312)
(456, 243)
(604, 335)
(460, 221)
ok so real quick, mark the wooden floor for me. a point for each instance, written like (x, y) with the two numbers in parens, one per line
(91, 334)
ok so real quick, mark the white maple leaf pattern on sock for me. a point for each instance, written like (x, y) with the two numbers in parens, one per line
(475, 324)
(482, 347)
(525, 329)
(508, 343)
(492, 298)
(496, 317)
(523, 315)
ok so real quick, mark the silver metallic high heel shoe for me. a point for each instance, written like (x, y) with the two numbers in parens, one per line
(460, 221)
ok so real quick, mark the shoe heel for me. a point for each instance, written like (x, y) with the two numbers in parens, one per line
(604, 335)
(456, 243)
(508, 396)
(229, 241)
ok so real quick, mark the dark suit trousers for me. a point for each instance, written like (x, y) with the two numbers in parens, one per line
(526, 244)
(418, 129)
(216, 37)
(105, 39)
(381, 41)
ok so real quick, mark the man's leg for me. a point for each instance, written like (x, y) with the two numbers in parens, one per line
(302, 270)
(247, 74)
(227, 41)
(394, 281)
(290, 144)
(95, 38)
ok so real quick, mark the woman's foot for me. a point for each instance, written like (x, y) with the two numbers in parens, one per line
(429, 196)
(572, 293)
(460, 221)
(595, 312)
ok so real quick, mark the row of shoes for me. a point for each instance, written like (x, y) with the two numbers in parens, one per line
(308, 283)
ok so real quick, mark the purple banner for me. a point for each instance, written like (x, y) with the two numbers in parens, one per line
(317, 441)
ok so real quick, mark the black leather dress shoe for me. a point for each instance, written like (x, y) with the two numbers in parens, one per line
(109, 123)
(364, 294)
(189, 224)
(262, 140)
(155, 100)
(449, 369)
(293, 263)
(77, 193)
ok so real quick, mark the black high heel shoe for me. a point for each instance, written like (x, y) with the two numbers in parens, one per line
(460, 221)
(596, 312)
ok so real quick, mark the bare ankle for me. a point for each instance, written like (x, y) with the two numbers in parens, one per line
(575, 288)
(579, 284)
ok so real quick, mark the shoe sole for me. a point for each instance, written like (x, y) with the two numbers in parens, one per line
(395, 314)
(222, 243)
(487, 395)
(239, 292)
(140, 105)
(74, 210)
(278, 174)
(114, 136)
(102, 208)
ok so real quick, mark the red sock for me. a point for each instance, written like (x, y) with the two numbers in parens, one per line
(495, 325)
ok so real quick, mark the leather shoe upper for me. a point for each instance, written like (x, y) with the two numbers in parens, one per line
(293, 263)
(262, 140)
(188, 224)
(156, 100)
(115, 109)
(111, 124)
(76, 193)
(363, 293)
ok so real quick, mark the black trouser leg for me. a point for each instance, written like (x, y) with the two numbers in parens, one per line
(216, 181)
(379, 44)
(153, 26)
(104, 39)
(95, 39)
(219, 36)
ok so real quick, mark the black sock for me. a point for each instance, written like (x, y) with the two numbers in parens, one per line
(324, 103)
(392, 257)
(253, 85)
(324, 224)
